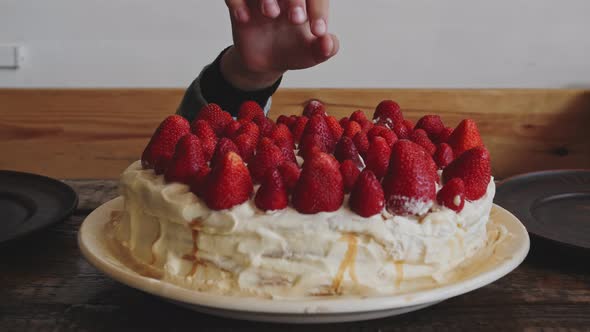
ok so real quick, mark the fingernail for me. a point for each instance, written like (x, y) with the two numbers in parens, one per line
(270, 8)
(330, 49)
(241, 15)
(319, 27)
(298, 15)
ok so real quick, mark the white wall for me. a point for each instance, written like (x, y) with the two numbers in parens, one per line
(385, 43)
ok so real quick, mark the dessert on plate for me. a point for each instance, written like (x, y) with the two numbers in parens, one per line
(307, 206)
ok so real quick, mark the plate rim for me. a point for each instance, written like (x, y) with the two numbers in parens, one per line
(87, 241)
(65, 213)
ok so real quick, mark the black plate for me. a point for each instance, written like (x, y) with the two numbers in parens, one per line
(29, 202)
(554, 205)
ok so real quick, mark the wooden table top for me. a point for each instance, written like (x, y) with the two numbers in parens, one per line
(46, 285)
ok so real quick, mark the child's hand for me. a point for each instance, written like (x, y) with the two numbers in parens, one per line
(273, 36)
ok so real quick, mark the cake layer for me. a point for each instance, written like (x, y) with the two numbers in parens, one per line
(244, 250)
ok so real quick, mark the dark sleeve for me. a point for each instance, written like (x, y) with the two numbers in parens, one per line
(211, 87)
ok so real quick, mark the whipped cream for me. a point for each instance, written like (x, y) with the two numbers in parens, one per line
(284, 253)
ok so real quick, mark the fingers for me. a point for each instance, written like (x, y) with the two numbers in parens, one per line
(297, 11)
(269, 8)
(317, 10)
(238, 10)
(325, 47)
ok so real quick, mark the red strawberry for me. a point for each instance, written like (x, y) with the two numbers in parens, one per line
(290, 173)
(224, 146)
(217, 118)
(345, 149)
(344, 122)
(310, 144)
(207, 136)
(160, 149)
(377, 159)
(443, 155)
(388, 109)
(314, 107)
(366, 125)
(265, 125)
(249, 110)
(283, 137)
(231, 130)
(317, 125)
(420, 137)
(432, 124)
(299, 127)
(350, 173)
(198, 180)
(287, 120)
(367, 198)
(464, 137)
(334, 127)
(288, 154)
(352, 128)
(250, 129)
(362, 143)
(268, 156)
(187, 160)
(444, 135)
(246, 145)
(272, 194)
(452, 195)
(409, 185)
(320, 187)
(473, 167)
(402, 131)
(409, 124)
(358, 116)
(381, 131)
(228, 184)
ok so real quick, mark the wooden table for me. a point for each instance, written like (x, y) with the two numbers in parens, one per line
(46, 285)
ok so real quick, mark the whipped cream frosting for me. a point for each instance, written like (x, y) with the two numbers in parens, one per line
(286, 254)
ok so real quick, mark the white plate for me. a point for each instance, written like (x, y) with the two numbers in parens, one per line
(509, 253)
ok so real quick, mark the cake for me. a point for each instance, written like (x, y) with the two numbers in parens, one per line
(307, 206)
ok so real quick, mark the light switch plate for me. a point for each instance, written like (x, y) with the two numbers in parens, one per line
(11, 56)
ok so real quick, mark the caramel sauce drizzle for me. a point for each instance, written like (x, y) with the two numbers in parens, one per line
(347, 263)
(196, 226)
(399, 273)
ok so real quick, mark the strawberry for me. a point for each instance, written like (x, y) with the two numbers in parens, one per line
(362, 143)
(366, 125)
(317, 125)
(420, 137)
(409, 124)
(443, 155)
(388, 109)
(272, 194)
(217, 118)
(452, 195)
(249, 110)
(444, 135)
(290, 173)
(160, 149)
(320, 187)
(283, 137)
(197, 182)
(432, 124)
(352, 128)
(367, 198)
(299, 127)
(250, 129)
(464, 137)
(205, 133)
(224, 146)
(228, 184)
(268, 156)
(334, 127)
(358, 116)
(314, 107)
(350, 173)
(265, 125)
(378, 155)
(409, 184)
(345, 149)
(310, 144)
(344, 122)
(187, 160)
(288, 154)
(473, 167)
(246, 145)
(401, 131)
(231, 130)
(381, 131)
(287, 120)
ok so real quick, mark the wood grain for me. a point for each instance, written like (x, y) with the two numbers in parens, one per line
(46, 285)
(74, 133)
